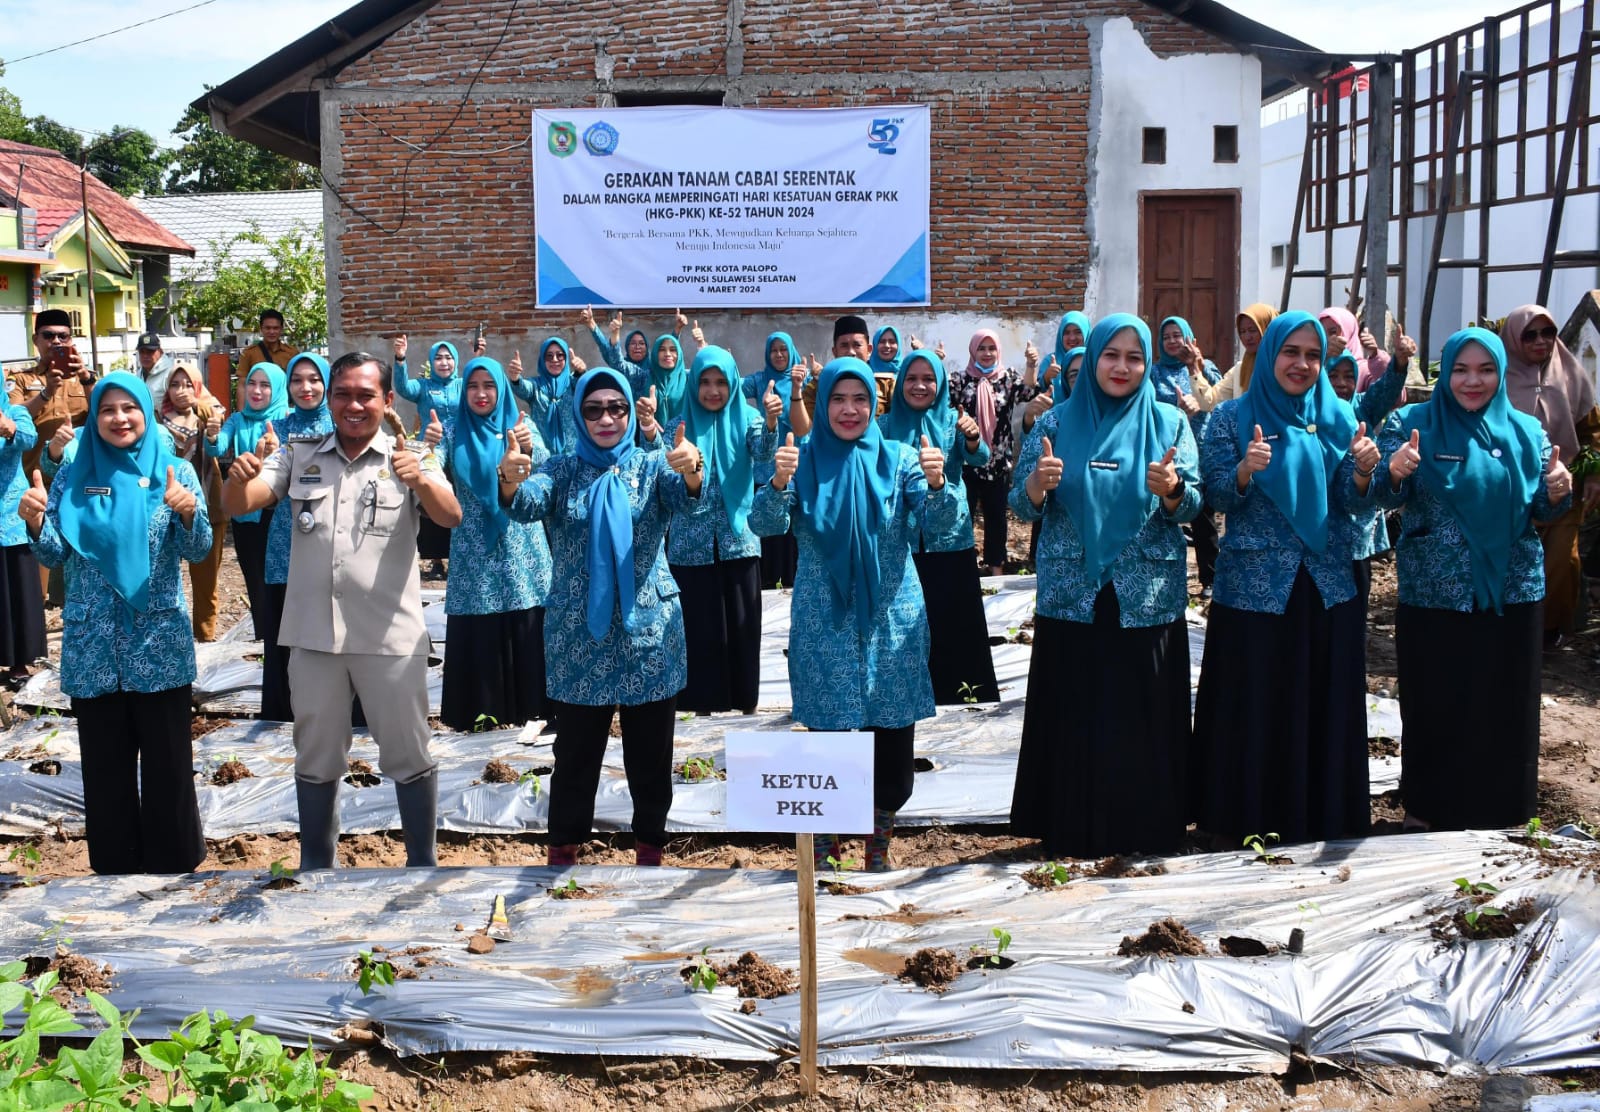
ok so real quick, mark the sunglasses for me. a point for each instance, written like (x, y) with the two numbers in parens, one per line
(593, 411)
(1531, 334)
(56, 337)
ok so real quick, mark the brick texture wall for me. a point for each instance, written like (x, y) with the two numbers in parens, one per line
(437, 239)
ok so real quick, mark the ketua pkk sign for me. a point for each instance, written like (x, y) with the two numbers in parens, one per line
(792, 782)
(731, 207)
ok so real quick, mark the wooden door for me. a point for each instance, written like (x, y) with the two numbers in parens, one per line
(1189, 267)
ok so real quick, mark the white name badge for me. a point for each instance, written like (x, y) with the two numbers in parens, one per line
(788, 781)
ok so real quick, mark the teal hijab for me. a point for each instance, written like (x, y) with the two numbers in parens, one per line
(308, 422)
(1062, 351)
(720, 434)
(842, 486)
(1485, 467)
(670, 385)
(1059, 390)
(480, 443)
(609, 553)
(907, 425)
(548, 392)
(253, 422)
(111, 494)
(779, 380)
(1311, 434)
(1171, 362)
(433, 354)
(1105, 446)
(887, 366)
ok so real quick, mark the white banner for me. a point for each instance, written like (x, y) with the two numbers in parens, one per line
(731, 207)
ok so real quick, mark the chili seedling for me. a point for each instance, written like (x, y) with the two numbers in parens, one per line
(370, 971)
(699, 768)
(839, 865)
(1488, 910)
(1475, 888)
(1002, 940)
(702, 976)
(1535, 832)
(1258, 844)
(485, 722)
(280, 871)
(530, 777)
(968, 692)
(25, 856)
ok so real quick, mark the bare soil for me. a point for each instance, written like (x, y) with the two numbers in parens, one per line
(231, 772)
(751, 975)
(498, 772)
(1165, 938)
(931, 968)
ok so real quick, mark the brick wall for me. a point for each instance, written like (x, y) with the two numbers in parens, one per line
(436, 240)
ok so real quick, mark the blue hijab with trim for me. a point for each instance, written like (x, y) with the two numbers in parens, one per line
(671, 385)
(779, 379)
(908, 425)
(317, 421)
(252, 424)
(887, 366)
(480, 443)
(548, 392)
(1063, 352)
(609, 555)
(1486, 467)
(1312, 433)
(1172, 362)
(842, 486)
(111, 493)
(720, 434)
(1059, 390)
(1106, 445)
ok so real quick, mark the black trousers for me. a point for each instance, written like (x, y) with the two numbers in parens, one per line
(275, 704)
(722, 634)
(138, 782)
(493, 666)
(1204, 531)
(779, 557)
(580, 749)
(986, 498)
(894, 772)
(250, 548)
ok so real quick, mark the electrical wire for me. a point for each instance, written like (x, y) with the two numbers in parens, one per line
(105, 34)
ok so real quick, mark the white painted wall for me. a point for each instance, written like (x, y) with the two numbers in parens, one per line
(1188, 95)
(1516, 232)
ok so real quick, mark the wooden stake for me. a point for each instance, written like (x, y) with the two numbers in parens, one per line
(806, 880)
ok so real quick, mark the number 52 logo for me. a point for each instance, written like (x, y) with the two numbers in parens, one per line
(882, 134)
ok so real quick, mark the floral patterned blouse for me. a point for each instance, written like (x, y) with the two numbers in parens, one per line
(1010, 397)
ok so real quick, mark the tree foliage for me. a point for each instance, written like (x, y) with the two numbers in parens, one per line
(211, 162)
(45, 132)
(230, 292)
(128, 160)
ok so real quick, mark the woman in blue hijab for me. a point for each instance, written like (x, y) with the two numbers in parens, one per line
(785, 371)
(888, 351)
(1474, 476)
(1280, 721)
(1113, 473)
(858, 634)
(613, 637)
(548, 392)
(21, 594)
(1172, 372)
(959, 662)
(438, 394)
(122, 518)
(308, 419)
(263, 404)
(499, 568)
(715, 558)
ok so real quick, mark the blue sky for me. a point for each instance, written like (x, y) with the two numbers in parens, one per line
(146, 76)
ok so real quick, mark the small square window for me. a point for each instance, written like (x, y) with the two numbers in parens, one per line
(1225, 143)
(1280, 252)
(1155, 145)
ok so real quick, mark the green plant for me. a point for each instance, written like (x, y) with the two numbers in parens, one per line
(1535, 833)
(25, 856)
(1488, 910)
(1307, 908)
(699, 768)
(485, 722)
(280, 871)
(370, 971)
(1056, 871)
(1002, 941)
(686, 716)
(839, 865)
(57, 933)
(969, 693)
(1481, 888)
(702, 976)
(1258, 844)
(530, 777)
(571, 885)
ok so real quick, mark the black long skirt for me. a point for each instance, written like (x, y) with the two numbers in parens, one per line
(779, 558)
(722, 634)
(1469, 712)
(959, 661)
(493, 669)
(1280, 729)
(1105, 736)
(433, 541)
(22, 639)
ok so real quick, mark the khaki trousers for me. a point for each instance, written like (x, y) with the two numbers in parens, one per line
(1563, 572)
(394, 695)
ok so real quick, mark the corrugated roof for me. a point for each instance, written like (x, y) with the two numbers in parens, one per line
(50, 184)
(207, 218)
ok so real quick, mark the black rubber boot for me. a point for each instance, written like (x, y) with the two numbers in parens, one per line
(319, 823)
(418, 801)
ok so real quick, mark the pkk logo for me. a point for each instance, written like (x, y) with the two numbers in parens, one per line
(601, 138)
(563, 139)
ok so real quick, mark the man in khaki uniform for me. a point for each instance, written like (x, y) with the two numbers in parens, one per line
(269, 349)
(354, 612)
(55, 391)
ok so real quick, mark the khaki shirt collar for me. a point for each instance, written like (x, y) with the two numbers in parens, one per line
(383, 444)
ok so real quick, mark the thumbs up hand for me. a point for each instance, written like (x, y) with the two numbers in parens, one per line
(179, 498)
(684, 458)
(968, 425)
(1557, 479)
(214, 425)
(932, 461)
(1365, 451)
(1161, 477)
(786, 461)
(1256, 458)
(268, 442)
(523, 435)
(1037, 408)
(34, 501)
(1046, 474)
(435, 430)
(578, 365)
(59, 440)
(515, 465)
(773, 405)
(8, 427)
(697, 335)
(1051, 369)
(1030, 355)
(514, 368)
(1406, 459)
(644, 410)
